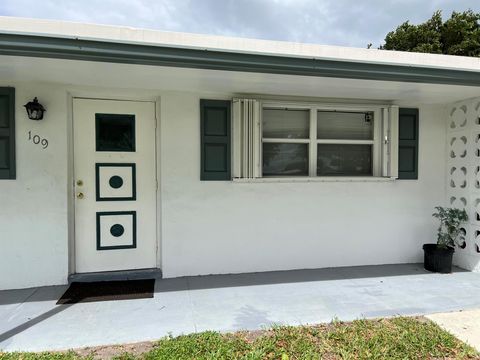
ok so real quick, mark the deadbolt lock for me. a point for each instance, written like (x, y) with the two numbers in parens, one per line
(79, 182)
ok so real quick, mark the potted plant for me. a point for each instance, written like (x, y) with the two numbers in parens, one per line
(438, 257)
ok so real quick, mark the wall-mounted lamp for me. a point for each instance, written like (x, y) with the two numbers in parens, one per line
(35, 110)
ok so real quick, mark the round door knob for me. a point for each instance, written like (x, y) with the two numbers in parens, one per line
(80, 196)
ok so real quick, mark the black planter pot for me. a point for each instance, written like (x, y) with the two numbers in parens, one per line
(438, 259)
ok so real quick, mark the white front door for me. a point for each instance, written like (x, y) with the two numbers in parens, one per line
(115, 185)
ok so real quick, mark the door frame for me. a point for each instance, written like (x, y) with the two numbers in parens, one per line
(91, 95)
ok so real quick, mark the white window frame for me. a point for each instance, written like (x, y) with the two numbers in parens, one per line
(312, 141)
(384, 142)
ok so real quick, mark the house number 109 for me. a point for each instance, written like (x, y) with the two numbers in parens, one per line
(37, 140)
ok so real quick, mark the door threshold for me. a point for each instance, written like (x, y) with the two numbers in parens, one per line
(116, 275)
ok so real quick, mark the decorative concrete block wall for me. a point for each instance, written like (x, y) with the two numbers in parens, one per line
(463, 174)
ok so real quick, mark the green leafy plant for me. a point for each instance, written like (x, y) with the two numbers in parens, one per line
(449, 229)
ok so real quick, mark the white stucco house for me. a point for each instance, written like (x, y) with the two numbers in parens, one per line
(195, 154)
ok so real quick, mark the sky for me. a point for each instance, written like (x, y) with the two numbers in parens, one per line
(330, 22)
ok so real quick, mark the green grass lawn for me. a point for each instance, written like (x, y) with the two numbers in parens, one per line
(396, 338)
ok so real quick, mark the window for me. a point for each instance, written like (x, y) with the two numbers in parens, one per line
(286, 134)
(346, 142)
(314, 140)
(317, 141)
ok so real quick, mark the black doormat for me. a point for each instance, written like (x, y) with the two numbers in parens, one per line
(107, 291)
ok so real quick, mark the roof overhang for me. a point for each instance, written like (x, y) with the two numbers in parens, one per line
(170, 56)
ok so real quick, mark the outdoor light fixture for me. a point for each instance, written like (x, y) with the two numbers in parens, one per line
(35, 110)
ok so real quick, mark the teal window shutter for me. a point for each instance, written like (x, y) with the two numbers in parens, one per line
(7, 133)
(215, 125)
(408, 144)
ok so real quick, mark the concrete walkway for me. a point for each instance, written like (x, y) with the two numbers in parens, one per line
(465, 325)
(30, 320)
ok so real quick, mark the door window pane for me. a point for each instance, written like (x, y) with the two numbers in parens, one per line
(344, 160)
(285, 159)
(345, 125)
(286, 124)
(115, 132)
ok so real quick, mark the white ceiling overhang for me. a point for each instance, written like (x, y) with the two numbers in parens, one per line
(162, 78)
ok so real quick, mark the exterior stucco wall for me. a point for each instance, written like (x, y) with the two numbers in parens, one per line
(228, 227)
(33, 208)
(215, 226)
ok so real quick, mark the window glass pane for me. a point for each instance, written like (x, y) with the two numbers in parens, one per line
(115, 132)
(344, 160)
(286, 124)
(345, 125)
(285, 159)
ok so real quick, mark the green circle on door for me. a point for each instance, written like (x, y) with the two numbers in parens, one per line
(117, 230)
(116, 182)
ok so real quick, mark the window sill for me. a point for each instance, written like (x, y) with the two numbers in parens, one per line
(313, 179)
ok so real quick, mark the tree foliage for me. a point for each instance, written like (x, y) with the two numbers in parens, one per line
(458, 35)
